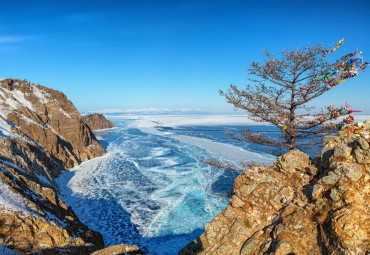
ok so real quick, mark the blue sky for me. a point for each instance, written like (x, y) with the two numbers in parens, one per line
(170, 54)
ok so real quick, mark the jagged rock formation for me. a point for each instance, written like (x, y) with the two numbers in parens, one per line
(97, 121)
(41, 133)
(299, 206)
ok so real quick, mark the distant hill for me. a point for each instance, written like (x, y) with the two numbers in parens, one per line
(97, 121)
(146, 111)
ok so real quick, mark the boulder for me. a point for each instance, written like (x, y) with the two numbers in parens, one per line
(119, 249)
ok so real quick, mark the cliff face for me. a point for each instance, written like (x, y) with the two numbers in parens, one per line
(48, 118)
(299, 206)
(97, 121)
(41, 133)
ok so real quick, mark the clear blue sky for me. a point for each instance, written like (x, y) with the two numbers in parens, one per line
(170, 54)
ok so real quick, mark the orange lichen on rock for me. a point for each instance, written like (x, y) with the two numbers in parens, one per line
(299, 205)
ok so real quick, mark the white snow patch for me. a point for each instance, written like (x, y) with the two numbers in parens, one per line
(12, 103)
(11, 201)
(31, 121)
(4, 111)
(55, 132)
(62, 111)
(20, 99)
(362, 117)
(13, 166)
(6, 131)
(146, 111)
(43, 179)
(44, 100)
(5, 128)
(104, 129)
(148, 124)
(192, 120)
(226, 151)
(40, 95)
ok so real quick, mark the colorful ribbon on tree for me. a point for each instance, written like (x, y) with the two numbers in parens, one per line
(334, 113)
(349, 120)
(349, 68)
(283, 126)
(337, 46)
(351, 65)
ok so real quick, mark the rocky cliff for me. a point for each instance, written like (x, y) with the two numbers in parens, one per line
(41, 133)
(299, 205)
(97, 121)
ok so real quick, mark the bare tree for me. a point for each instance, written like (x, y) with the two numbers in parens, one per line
(280, 89)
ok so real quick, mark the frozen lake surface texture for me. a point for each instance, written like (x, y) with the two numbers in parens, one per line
(150, 189)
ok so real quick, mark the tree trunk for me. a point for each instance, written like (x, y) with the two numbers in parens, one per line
(292, 116)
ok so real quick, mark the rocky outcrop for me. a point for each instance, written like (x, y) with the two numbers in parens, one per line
(97, 121)
(45, 116)
(299, 205)
(120, 249)
(41, 133)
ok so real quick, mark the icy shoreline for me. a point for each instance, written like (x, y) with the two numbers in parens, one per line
(150, 124)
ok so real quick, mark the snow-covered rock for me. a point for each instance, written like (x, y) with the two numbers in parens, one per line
(41, 133)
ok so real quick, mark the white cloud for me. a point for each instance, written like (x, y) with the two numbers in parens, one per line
(10, 39)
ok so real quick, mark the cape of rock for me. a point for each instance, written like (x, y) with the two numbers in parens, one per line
(299, 205)
(97, 121)
(41, 133)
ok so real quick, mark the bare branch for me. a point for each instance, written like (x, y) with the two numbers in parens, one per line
(281, 86)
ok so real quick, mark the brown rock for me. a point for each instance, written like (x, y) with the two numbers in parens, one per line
(341, 151)
(97, 121)
(272, 211)
(363, 143)
(45, 135)
(294, 160)
(47, 117)
(119, 249)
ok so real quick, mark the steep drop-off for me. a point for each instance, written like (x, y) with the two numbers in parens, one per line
(299, 206)
(41, 133)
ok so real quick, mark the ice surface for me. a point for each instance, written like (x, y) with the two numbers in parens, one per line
(150, 190)
(362, 117)
(226, 151)
(188, 120)
(146, 111)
